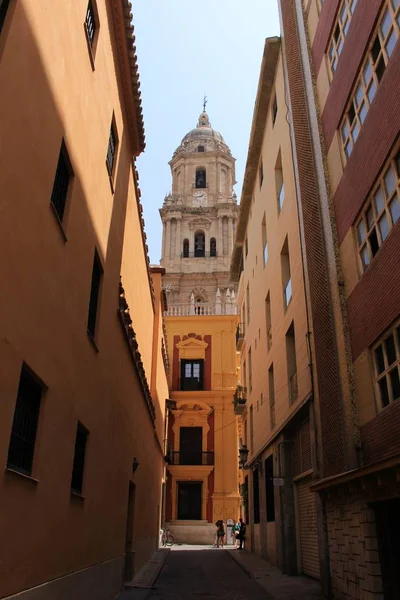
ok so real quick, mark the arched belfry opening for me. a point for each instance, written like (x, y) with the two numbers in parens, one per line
(185, 252)
(199, 244)
(201, 178)
(213, 247)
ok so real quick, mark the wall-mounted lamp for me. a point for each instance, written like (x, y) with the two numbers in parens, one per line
(135, 464)
(243, 454)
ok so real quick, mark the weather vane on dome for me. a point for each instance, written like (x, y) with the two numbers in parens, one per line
(204, 103)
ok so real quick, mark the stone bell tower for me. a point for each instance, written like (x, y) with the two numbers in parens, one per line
(199, 221)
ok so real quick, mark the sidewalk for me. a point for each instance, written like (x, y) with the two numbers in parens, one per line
(280, 587)
(144, 580)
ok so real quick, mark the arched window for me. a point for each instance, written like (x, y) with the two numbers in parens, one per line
(200, 148)
(213, 247)
(185, 248)
(200, 178)
(199, 244)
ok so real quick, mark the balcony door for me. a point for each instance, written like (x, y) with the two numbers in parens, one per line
(192, 375)
(191, 445)
(189, 500)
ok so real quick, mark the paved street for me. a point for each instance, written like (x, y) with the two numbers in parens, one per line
(204, 572)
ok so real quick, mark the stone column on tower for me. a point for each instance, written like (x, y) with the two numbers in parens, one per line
(230, 235)
(220, 247)
(178, 248)
(168, 240)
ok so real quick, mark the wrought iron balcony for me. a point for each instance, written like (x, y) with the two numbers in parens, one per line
(191, 458)
(239, 335)
(239, 400)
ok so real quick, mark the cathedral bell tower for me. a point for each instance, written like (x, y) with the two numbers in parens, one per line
(199, 220)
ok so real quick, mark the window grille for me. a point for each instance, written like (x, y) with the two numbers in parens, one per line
(111, 150)
(79, 459)
(90, 23)
(97, 273)
(61, 182)
(24, 427)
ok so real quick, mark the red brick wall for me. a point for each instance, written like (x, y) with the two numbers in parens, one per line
(325, 358)
(325, 24)
(380, 437)
(375, 301)
(377, 136)
(362, 24)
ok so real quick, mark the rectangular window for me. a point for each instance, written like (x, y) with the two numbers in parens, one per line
(271, 392)
(250, 372)
(4, 4)
(264, 240)
(380, 50)
(381, 212)
(286, 278)
(280, 187)
(261, 173)
(112, 149)
(61, 183)
(291, 364)
(274, 109)
(248, 303)
(192, 375)
(340, 30)
(79, 459)
(97, 274)
(251, 436)
(387, 367)
(25, 422)
(268, 321)
(269, 488)
(90, 23)
(256, 497)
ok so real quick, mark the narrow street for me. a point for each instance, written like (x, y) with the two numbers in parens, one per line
(204, 572)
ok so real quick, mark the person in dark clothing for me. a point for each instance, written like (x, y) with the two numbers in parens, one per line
(220, 533)
(242, 533)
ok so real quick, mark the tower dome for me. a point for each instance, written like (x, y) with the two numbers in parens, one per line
(203, 138)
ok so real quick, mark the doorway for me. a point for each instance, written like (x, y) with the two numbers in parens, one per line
(387, 516)
(129, 552)
(189, 500)
(190, 445)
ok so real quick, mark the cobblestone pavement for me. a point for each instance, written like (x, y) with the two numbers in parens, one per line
(204, 574)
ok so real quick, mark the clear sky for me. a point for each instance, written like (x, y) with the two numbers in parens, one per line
(185, 49)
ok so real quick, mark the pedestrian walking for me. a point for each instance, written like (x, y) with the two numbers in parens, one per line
(220, 533)
(242, 533)
(235, 533)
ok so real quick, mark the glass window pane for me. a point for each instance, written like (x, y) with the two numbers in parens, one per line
(361, 233)
(373, 242)
(384, 227)
(395, 382)
(376, 48)
(352, 113)
(379, 361)
(363, 112)
(355, 132)
(370, 217)
(384, 391)
(367, 71)
(188, 370)
(390, 349)
(346, 27)
(196, 370)
(379, 200)
(390, 44)
(353, 6)
(397, 160)
(331, 51)
(365, 257)
(340, 47)
(345, 132)
(390, 181)
(395, 209)
(348, 149)
(334, 64)
(343, 12)
(385, 23)
(396, 3)
(381, 68)
(359, 94)
(371, 92)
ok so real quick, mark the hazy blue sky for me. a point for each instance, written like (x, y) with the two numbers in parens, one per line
(187, 48)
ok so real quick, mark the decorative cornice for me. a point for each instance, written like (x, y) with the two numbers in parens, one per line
(122, 16)
(130, 336)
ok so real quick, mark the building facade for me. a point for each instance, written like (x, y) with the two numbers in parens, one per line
(342, 63)
(274, 400)
(82, 382)
(199, 221)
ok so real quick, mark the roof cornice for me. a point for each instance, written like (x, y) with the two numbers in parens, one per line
(122, 16)
(262, 102)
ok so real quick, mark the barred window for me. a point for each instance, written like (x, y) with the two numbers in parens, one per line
(387, 367)
(90, 23)
(61, 183)
(340, 31)
(374, 66)
(25, 422)
(79, 459)
(112, 149)
(381, 213)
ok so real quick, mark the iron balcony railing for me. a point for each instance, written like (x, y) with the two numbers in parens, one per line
(191, 458)
(239, 335)
(239, 400)
(199, 254)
